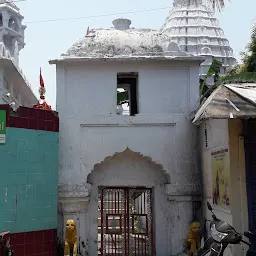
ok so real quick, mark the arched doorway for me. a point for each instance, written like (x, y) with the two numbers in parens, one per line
(128, 197)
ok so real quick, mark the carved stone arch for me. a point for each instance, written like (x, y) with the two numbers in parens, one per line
(130, 153)
(206, 50)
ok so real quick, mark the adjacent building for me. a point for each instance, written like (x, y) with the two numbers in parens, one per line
(28, 150)
(28, 185)
(227, 140)
(14, 87)
(128, 178)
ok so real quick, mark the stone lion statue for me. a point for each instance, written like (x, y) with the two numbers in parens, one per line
(71, 238)
(192, 243)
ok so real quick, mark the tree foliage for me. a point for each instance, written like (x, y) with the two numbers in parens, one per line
(214, 71)
(122, 97)
(243, 77)
(248, 57)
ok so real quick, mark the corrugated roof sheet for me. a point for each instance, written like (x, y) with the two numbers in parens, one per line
(229, 101)
(247, 91)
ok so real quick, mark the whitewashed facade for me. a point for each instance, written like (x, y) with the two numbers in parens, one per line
(156, 147)
(14, 88)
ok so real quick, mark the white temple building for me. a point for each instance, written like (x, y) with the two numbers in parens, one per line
(192, 24)
(131, 182)
(14, 88)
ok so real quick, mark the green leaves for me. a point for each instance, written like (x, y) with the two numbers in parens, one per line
(214, 70)
(245, 77)
(122, 97)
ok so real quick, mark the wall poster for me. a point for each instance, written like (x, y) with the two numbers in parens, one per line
(221, 178)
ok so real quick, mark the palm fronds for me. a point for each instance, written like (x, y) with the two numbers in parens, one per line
(218, 4)
(214, 71)
(215, 4)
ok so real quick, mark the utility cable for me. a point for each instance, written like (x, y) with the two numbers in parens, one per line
(95, 16)
(13, 1)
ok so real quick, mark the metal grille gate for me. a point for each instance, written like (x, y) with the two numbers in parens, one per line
(125, 225)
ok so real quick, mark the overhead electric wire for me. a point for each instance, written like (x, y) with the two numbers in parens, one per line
(96, 16)
(13, 1)
(92, 16)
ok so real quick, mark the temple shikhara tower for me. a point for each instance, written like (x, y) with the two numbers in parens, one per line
(192, 24)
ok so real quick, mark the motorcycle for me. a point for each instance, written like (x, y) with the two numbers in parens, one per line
(222, 234)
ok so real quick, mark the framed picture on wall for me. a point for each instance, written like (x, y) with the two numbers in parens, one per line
(221, 178)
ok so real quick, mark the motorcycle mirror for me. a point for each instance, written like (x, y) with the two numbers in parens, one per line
(209, 206)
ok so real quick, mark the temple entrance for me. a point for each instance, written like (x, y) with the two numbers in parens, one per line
(125, 221)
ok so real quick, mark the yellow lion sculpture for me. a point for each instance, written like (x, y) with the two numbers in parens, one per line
(71, 238)
(193, 239)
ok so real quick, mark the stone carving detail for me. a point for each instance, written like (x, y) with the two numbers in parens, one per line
(138, 154)
(75, 190)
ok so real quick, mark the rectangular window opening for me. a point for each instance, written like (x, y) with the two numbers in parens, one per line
(127, 94)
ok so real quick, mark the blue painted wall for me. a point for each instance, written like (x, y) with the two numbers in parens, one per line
(28, 182)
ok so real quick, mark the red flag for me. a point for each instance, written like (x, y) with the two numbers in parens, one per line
(88, 30)
(41, 79)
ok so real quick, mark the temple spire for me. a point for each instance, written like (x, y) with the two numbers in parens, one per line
(193, 26)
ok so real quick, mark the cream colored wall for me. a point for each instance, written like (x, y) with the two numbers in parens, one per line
(238, 183)
(226, 134)
(217, 138)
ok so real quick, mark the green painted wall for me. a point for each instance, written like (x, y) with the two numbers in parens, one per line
(28, 182)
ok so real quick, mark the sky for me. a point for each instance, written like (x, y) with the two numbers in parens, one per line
(47, 39)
